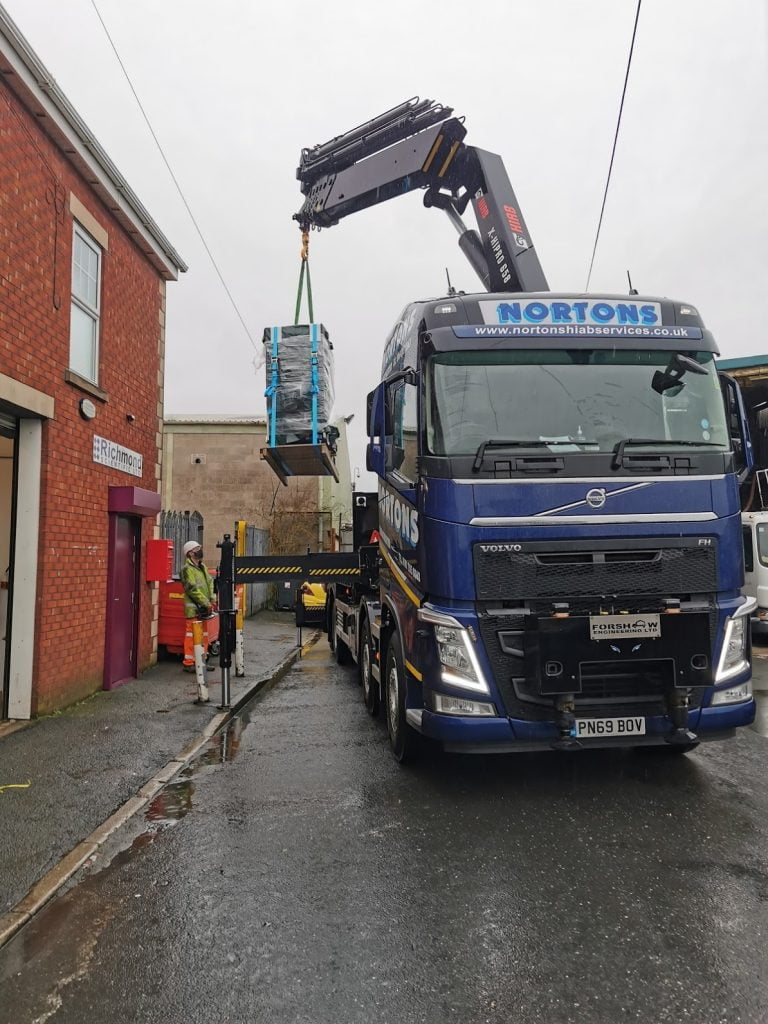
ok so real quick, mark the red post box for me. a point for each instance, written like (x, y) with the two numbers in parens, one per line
(159, 560)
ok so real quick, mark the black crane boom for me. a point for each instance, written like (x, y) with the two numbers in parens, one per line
(420, 145)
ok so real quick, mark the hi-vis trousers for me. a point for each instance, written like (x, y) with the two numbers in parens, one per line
(195, 651)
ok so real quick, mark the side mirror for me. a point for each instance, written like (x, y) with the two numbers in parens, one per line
(738, 428)
(376, 412)
(369, 413)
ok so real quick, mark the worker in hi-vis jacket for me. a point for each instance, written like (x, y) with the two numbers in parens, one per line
(198, 606)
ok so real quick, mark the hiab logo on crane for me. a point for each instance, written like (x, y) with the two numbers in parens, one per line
(399, 515)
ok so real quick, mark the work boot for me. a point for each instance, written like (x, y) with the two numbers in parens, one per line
(209, 667)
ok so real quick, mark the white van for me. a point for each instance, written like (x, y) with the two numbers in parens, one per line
(755, 530)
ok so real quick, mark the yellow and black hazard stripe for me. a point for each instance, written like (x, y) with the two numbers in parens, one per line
(253, 570)
(332, 572)
(279, 571)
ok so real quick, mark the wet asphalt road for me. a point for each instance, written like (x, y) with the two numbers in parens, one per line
(308, 878)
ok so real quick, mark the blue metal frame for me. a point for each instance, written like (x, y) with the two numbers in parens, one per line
(315, 389)
(271, 392)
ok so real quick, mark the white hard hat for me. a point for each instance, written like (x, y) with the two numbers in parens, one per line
(190, 546)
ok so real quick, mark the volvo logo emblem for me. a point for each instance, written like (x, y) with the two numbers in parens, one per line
(596, 497)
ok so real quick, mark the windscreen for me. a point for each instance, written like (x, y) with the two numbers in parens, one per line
(590, 399)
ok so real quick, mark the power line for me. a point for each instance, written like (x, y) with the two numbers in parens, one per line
(615, 140)
(175, 180)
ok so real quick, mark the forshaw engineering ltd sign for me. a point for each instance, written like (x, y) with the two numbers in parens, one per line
(109, 453)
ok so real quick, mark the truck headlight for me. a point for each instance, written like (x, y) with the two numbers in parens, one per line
(735, 695)
(456, 652)
(733, 657)
(462, 706)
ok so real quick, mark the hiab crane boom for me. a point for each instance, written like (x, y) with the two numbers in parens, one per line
(420, 145)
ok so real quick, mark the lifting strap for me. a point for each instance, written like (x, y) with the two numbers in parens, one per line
(304, 271)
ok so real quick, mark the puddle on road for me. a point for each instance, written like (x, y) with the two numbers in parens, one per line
(169, 806)
(174, 801)
(225, 745)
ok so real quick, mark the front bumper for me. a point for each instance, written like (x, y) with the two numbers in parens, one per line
(503, 735)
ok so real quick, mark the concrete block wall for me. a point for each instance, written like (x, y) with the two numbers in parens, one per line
(232, 482)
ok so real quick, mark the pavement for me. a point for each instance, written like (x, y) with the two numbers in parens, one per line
(77, 767)
(294, 873)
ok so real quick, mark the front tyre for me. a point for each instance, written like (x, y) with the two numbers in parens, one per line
(369, 684)
(402, 738)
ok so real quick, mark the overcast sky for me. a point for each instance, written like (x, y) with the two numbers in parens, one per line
(236, 88)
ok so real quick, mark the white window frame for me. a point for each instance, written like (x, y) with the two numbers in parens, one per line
(93, 312)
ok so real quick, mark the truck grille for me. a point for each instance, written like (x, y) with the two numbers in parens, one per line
(646, 567)
(607, 688)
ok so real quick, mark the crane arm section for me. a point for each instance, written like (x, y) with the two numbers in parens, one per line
(420, 145)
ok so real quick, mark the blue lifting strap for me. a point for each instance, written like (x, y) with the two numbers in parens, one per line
(271, 392)
(315, 390)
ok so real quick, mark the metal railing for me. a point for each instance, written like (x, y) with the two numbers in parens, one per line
(180, 527)
(256, 543)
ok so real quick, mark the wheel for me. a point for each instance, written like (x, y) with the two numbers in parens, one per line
(369, 684)
(402, 738)
(214, 648)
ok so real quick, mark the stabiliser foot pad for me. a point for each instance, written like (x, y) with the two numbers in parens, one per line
(681, 736)
(566, 743)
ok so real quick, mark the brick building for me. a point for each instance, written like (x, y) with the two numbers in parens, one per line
(83, 270)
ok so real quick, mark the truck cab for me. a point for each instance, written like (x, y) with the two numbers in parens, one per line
(560, 527)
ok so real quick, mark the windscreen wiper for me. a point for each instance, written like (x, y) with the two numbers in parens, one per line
(618, 450)
(480, 453)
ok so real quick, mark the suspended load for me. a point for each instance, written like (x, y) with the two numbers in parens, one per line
(300, 438)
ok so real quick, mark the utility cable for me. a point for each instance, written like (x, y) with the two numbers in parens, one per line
(174, 178)
(615, 141)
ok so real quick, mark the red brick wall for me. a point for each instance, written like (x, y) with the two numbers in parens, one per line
(35, 275)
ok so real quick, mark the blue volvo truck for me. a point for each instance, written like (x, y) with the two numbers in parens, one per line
(557, 548)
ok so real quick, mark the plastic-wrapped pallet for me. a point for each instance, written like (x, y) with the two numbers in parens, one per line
(299, 359)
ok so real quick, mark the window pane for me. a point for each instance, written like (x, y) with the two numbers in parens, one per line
(406, 430)
(85, 272)
(82, 344)
(749, 555)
